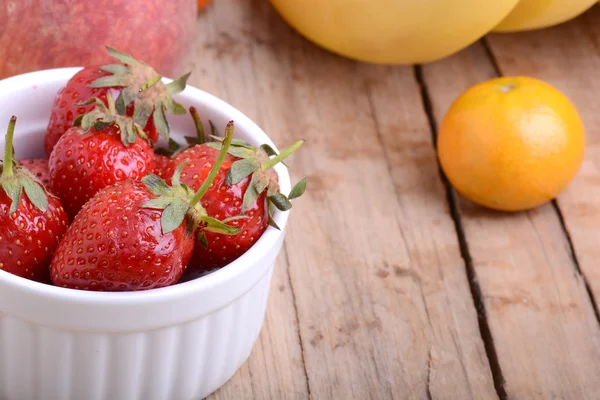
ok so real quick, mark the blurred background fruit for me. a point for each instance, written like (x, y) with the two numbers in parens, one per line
(202, 4)
(535, 14)
(40, 34)
(511, 143)
(394, 31)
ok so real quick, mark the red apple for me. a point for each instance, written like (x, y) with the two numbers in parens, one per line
(41, 34)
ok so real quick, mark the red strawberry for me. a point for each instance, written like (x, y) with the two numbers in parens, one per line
(66, 106)
(115, 244)
(140, 90)
(39, 168)
(106, 149)
(32, 221)
(134, 235)
(245, 183)
(164, 155)
(160, 165)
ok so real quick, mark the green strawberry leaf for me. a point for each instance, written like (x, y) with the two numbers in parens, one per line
(159, 203)
(237, 151)
(298, 189)
(174, 107)
(126, 97)
(280, 201)
(142, 86)
(234, 142)
(268, 149)
(258, 183)
(173, 215)
(240, 170)
(179, 202)
(235, 218)
(156, 185)
(114, 69)
(176, 178)
(101, 125)
(13, 189)
(178, 85)
(14, 179)
(78, 120)
(142, 112)
(282, 156)
(214, 225)
(160, 121)
(273, 224)
(107, 81)
(123, 57)
(35, 193)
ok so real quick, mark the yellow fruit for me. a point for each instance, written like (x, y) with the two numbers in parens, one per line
(535, 14)
(511, 143)
(394, 31)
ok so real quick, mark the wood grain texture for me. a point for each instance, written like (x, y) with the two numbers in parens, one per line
(573, 66)
(383, 302)
(223, 66)
(544, 329)
(275, 369)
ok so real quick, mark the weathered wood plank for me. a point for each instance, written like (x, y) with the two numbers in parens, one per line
(383, 301)
(223, 66)
(572, 63)
(544, 329)
(275, 369)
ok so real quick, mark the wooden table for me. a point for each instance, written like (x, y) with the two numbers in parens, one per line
(389, 284)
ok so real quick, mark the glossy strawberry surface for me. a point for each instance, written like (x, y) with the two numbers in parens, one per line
(161, 165)
(221, 202)
(82, 164)
(114, 244)
(65, 109)
(28, 237)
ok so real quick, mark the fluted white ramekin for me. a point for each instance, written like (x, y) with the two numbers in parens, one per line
(180, 342)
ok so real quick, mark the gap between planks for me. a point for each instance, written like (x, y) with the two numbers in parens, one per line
(476, 294)
(498, 71)
(300, 341)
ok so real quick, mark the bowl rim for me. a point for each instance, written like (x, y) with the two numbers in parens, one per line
(266, 243)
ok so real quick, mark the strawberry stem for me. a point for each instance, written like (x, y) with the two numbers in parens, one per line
(215, 169)
(7, 168)
(282, 156)
(198, 122)
(111, 104)
(148, 84)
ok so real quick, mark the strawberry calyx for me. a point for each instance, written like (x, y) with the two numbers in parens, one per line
(101, 117)
(143, 87)
(15, 179)
(200, 136)
(174, 148)
(258, 164)
(179, 202)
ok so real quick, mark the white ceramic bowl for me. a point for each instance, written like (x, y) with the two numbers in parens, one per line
(179, 342)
